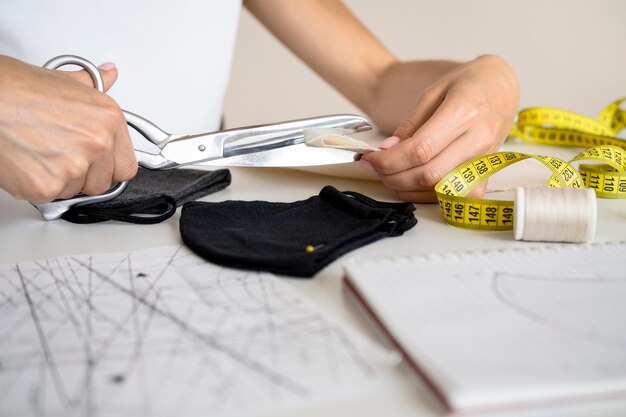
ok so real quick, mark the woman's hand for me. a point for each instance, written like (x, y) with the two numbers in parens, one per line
(465, 113)
(441, 112)
(58, 135)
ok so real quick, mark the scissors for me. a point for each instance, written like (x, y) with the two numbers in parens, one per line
(271, 145)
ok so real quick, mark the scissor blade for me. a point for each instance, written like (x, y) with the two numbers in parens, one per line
(302, 155)
(298, 155)
(280, 144)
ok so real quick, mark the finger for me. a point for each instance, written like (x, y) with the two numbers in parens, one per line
(72, 188)
(124, 157)
(479, 191)
(449, 122)
(109, 73)
(116, 161)
(417, 196)
(99, 175)
(425, 177)
(108, 70)
(427, 104)
(431, 196)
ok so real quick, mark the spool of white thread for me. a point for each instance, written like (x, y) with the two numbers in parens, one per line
(549, 214)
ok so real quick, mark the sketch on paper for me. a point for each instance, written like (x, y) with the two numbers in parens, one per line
(572, 305)
(162, 332)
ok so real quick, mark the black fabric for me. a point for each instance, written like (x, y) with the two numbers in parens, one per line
(274, 237)
(152, 196)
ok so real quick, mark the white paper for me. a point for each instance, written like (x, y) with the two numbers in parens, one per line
(161, 332)
(507, 328)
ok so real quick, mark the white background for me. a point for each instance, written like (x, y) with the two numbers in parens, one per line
(566, 53)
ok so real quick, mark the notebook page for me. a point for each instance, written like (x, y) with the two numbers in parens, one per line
(503, 328)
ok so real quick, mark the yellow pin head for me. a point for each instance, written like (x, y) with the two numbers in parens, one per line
(311, 248)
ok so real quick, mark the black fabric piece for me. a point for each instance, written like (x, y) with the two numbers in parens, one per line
(274, 237)
(152, 196)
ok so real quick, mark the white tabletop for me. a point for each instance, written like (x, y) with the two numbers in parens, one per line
(25, 236)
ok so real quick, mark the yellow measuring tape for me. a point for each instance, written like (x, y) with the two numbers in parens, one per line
(545, 126)
(548, 126)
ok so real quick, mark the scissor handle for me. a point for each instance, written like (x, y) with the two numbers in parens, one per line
(55, 209)
(92, 70)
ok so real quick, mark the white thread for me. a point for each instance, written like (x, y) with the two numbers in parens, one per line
(555, 214)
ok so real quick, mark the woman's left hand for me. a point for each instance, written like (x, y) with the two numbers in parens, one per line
(466, 113)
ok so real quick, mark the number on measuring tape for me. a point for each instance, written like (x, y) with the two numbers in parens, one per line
(549, 127)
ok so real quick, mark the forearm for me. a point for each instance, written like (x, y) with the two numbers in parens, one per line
(331, 41)
(440, 113)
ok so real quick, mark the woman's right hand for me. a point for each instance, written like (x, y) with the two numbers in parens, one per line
(58, 135)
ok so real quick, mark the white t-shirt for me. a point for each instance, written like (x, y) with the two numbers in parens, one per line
(173, 57)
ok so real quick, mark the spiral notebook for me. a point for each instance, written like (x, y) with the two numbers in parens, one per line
(502, 329)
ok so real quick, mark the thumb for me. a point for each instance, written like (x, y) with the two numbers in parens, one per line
(109, 73)
(108, 70)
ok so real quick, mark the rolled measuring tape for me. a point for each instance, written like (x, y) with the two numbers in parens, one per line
(547, 126)
(608, 179)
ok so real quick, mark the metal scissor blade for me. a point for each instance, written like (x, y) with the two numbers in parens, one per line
(249, 141)
(303, 155)
(298, 155)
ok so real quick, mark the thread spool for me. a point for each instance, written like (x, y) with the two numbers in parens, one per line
(555, 214)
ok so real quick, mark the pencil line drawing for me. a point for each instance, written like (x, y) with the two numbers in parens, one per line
(162, 332)
(576, 306)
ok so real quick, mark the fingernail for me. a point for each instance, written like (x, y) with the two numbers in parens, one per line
(366, 165)
(389, 142)
(107, 66)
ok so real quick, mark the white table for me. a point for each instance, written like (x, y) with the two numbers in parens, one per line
(25, 236)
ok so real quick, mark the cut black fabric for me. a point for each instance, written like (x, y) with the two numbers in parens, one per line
(298, 238)
(152, 196)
